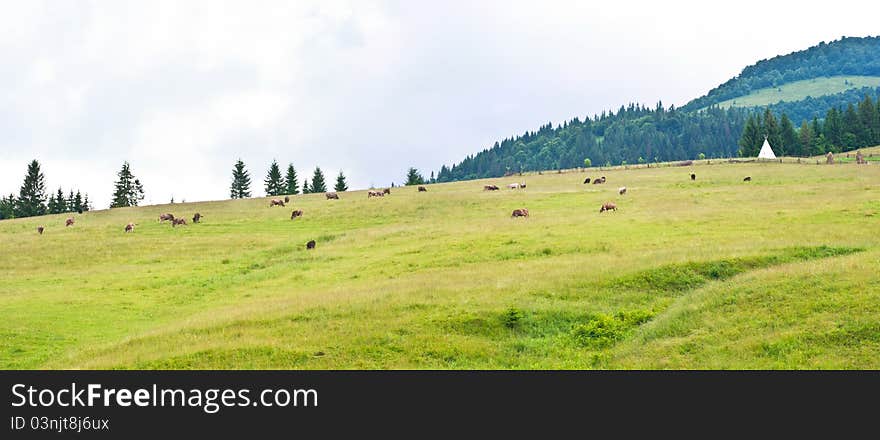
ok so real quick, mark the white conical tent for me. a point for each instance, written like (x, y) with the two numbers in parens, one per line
(766, 151)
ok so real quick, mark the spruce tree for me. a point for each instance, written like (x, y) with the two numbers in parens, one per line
(806, 141)
(241, 182)
(60, 202)
(52, 205)
(318, 184)
(290, 181)
(32, 195)
(70, 202)
(340, 183)
(128, 190)
(751, 139)
(851, 128)
(772, 130)
(413, 177)
(274, 182)
(790, 145)
(77, 203)
(87, 206)
(7, 207)
(306, 188)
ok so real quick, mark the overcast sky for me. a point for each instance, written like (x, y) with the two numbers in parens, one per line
(181, 89)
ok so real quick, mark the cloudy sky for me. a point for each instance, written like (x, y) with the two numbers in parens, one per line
(183, 89)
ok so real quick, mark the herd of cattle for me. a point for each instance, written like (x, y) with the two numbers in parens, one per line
(520, 212)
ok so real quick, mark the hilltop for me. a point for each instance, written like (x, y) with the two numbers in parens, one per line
(804, 86)
(779, 272)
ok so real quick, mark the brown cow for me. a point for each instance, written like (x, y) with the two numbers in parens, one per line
(295, 214)
(276, 202)
(423, 189)
(129, 227)
(522, 212)
(164, 217)
(331, 195)
(597, 182)
(69, 221)
(40, 230)
(310, 244)
(490, 188)
(386, 191)
(197, 218)
(372, 193)
(178, 221)
(586, 181)
(286, 199)
(747, 179)
(608, 206)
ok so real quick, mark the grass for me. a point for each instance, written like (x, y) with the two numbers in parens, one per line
(798, 90)
(779, 272)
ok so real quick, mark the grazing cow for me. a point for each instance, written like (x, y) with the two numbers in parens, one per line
(295, 214)
(522, 212)
(286, 199)
(129, 227)
(69, 221)
(164, 217)
(747, 179)
(513, 186)
(693, 176)
(40, 230)
(608, 206)
(423, 189)
(331, 195)
(276, 202)
(490, 188)
(372, 193)
(386, 191)
(597, 182)
(197, 218)
(621, 190)
(586, 181)
(178, 221)
(310, 244)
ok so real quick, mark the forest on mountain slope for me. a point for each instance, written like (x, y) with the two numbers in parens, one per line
(638, 134)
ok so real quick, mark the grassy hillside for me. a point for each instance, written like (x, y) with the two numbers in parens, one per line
(798, 90)
(780, 272)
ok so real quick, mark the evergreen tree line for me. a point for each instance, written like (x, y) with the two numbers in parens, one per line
(33, 200)
(841, 130)
(847, 56)
(634, 134)
(276, 185)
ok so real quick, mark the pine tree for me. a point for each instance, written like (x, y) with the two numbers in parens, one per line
(851, 127)
(340, 183)
(832, 129)
(790, 145)
(87, 206)
(32, 195)
(128, 190)
(291, 185)
(318, 184)
(274, 182)
(70, 202)
(413, 177)
(52, 205)
(866, 121)
(241, 182)
(306, 188)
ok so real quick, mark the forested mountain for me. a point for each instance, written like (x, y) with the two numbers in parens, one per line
(637, 134)
(847, 56)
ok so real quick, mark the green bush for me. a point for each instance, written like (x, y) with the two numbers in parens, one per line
(512, 317)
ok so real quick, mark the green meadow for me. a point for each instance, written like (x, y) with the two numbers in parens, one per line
(780, 272)
(798, 90)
